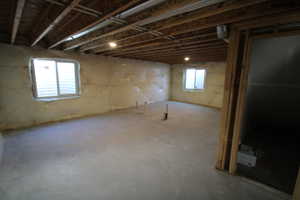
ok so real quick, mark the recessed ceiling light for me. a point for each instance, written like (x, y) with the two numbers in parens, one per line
(112, 44)
(187, 58)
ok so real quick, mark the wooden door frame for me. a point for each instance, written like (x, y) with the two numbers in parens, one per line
(243, 86)
(238, 65)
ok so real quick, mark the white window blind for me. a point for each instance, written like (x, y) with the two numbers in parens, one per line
(55, 78)
(194, 79)
(66, 78)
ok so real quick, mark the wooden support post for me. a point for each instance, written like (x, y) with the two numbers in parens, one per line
(228, 100)
(240, 105)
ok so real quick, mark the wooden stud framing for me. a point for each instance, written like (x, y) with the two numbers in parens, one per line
(240, 104)
(226, 116)
(236, 83)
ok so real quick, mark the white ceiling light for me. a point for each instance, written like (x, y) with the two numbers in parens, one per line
(112, 44)
(187, 58)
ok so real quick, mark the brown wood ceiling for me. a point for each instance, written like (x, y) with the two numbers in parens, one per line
(48, 23)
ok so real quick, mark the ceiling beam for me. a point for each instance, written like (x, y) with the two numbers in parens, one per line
(201, 51)
(107, 16)
(159, 54)
(190, 54)
(196, 16)
(180, 50)
(195, 57)
(161, 45)
(174, 9)
(79, 8)
(232, 17)
(235, 5)
(150, 40)
(17, 19)
(167, 48)
(66, 11)
(154, 42)
(175, 56)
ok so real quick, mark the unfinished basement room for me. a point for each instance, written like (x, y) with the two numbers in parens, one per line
(149, 99)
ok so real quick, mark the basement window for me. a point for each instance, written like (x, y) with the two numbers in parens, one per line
(194, 79)
(55, 79)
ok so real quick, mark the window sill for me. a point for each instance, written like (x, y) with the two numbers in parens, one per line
(193, 90)
(55, 98)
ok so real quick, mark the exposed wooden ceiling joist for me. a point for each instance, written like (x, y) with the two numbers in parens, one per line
(152, 41)
(107, 16)
(179, 59)
(151, 34)
(233, 17)
(187, 49)
(55, 21)
(79, 8)
(159, 51)
(216, 53)
(199, 15)
(171, 10)
(17, 19)
(161, 45)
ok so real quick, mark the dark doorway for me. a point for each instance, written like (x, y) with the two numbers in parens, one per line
(272, 112)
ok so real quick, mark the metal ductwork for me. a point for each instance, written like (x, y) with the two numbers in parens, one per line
(120, 16)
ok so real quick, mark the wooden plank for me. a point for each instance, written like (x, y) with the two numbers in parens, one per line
(240, 104)
(55, 21)
(157, 49)
(226, 114)
(231, 17)
(202, 15)
(122, 47)
(179, 59)
(79, 8)
(200, 53)
(107, 16)
(187, 49)
(17, 19)
(171, 8)
(217, 11)
(159, 45)
(283, 18)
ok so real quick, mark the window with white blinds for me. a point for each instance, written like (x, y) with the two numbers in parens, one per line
(55, 78)
(194, 79)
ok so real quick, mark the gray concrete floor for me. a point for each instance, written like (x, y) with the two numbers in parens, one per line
(126, 155)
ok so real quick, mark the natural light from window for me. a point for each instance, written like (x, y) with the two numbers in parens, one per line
(55, 78)
(194, 79)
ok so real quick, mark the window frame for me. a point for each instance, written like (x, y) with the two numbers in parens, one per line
(59, 96)
(184, 79)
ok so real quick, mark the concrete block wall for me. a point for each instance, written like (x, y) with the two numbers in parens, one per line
(106, 84)
(211, 96)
